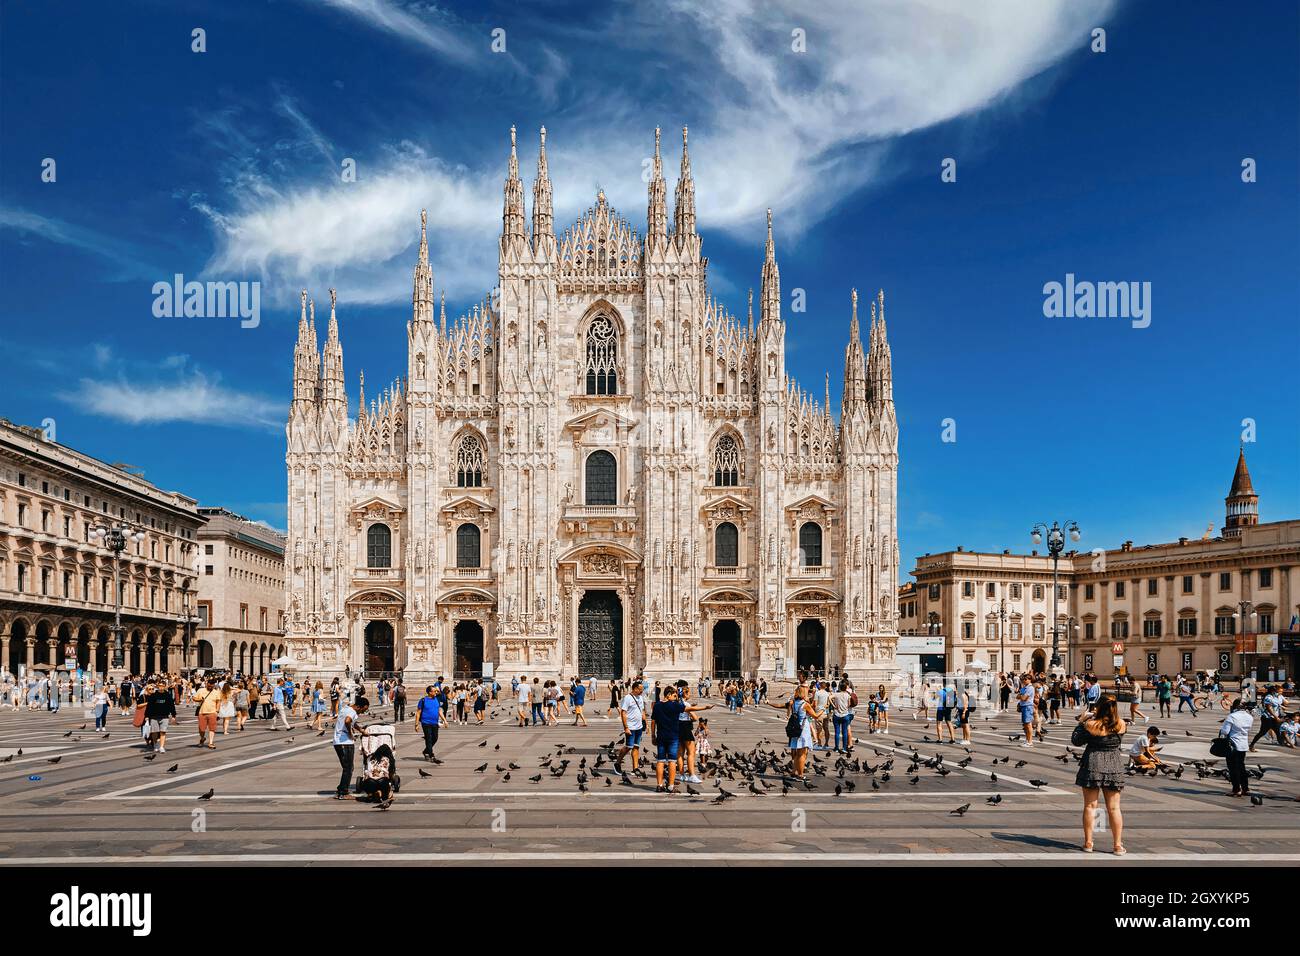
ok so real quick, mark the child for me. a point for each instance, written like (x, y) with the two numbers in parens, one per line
(1143, 752)
(702, 746)
(1289, 728)
(873, 708)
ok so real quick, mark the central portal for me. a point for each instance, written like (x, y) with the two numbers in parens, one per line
(600, 635)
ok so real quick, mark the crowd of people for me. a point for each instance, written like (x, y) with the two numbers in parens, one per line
(820, 714)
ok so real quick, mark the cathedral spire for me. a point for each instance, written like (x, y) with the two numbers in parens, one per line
(855, 375)
(543, 214)
(332, 387)
(442, 314)
(512, 216)
(684, 214)
(657, 209)
(751, 310)
(771, 291)
(422, 293)
(879, 363)
(306, 359)
(361, 399)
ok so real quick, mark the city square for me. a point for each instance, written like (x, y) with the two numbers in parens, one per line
(102, 803)
(660, 435)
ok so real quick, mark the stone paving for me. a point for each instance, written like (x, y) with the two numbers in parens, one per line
(102, 802)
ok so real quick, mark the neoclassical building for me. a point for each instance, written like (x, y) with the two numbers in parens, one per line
(597, 470)
(57, 598)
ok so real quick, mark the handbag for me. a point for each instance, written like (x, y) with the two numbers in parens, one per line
(1220, 747)
(137, 720)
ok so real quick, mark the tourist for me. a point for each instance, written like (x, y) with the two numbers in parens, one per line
(1236, 727)
(686, 732)
(1164, 696)
(631, 710)
(842, 702)
(522, 695)
(335, 694)
(278, 702)
(159, 711)
(1025, 702)
(242, 702)
(1101, 732)
(317, 706)
(1270, 721)
(882, 712)
(1143, 755)
(1185, 692)
(428, 714)
(226, 707)
(965, 709)
(665, 735)
(99, 706)
(345, 731)
(947, 703)
(798, 728)
(481, 693)
(579, 692)
(207, 698)
(536, 701)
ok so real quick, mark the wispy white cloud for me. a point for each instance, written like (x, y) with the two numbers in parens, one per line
(419, 27)
(129, 260)
(797, 131)
(170, 390)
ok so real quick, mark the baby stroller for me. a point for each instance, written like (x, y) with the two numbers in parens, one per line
(377, 747)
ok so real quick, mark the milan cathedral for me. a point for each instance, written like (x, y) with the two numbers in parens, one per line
(597, 471)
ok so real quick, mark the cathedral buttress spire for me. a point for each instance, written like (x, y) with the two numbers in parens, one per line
(512, 217)
(657, 211)
(751, 310)
(442, 315)
(422, 294)
(543, 214)
(684, 214)
(771, 289)
(880, 364)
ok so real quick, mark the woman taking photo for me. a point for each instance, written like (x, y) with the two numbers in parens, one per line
(801, 714)
(1101, 769)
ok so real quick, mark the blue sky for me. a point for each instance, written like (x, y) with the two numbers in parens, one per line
(1115, 166)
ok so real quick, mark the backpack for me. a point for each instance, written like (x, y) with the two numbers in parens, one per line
(793, 726)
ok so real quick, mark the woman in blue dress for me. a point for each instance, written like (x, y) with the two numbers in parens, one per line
(802, 710)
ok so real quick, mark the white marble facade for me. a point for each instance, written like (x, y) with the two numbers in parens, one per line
(596, 470)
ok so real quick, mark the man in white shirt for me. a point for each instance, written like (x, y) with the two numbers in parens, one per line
(522, 693)
(821, 701)
(631, 710)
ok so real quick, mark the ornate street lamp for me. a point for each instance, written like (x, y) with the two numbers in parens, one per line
(114, 536)
(1055, 545)
(1245, 613)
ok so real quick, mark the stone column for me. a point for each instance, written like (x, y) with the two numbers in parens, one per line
(4, 648)
(31, 653)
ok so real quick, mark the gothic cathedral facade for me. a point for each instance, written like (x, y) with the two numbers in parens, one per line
(597, 471)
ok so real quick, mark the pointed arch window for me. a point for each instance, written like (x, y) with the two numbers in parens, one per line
(468, 551)
(469, 462)
(726, 462)
(726, 545)
(602, 357)
(601, 479)
(810, 544)
(379, 546)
